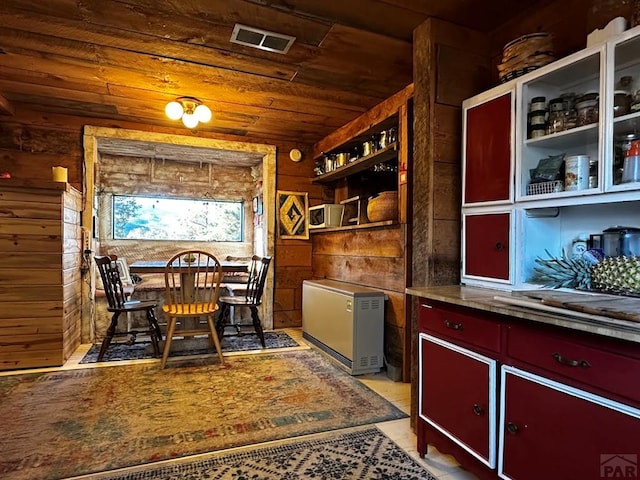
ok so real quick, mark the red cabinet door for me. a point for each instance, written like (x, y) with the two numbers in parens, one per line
(486, 245)
(550, 430)
(487, 156)
(457, 395)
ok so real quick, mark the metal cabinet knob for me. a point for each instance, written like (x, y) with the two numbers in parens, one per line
(512, 428)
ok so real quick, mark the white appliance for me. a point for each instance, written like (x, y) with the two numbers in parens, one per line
(346, 321)
(325, 215)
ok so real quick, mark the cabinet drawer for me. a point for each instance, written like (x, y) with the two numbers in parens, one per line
(571, 359)
(460, 326)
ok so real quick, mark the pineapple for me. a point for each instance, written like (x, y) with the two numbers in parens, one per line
(619, 275)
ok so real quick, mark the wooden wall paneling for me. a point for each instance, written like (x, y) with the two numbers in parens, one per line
(388, 243)
(436, 171)
(37, 167)
(33, 283)
(285, 299)
(459, 72)
(294, 255)
(28, 244)
(10, 327)
(375, 272)
(27, 276)
(25, 260)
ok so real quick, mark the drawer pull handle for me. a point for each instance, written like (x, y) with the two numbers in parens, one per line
(499, 246)
(571, 363)
(512, 428)
(424, 305)
(453, 326)
(477, 409)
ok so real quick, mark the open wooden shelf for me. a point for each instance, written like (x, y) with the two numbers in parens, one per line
(381, 156)
(353, 227)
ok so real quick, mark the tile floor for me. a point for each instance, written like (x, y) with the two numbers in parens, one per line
(444, 467)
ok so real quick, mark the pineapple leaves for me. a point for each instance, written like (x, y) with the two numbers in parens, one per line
(562, 272)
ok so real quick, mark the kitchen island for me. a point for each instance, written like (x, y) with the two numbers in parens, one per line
(516, 387)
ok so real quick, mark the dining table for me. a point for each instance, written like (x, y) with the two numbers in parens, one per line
(187, 276)
(159, 266)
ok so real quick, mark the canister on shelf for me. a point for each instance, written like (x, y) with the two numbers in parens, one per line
(576, 175)
(593, 173)
(537, 131)
(538, 104)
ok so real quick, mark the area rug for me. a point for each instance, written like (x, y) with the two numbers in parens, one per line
(72, 422)
(359, 455)
(232, 343)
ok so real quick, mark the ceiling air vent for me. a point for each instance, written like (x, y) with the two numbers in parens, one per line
(262, 39)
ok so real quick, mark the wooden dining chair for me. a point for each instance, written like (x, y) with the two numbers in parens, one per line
(118, 300)
(192, 285)
(251, 298)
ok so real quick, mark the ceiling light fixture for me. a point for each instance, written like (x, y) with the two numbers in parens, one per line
(191, 110)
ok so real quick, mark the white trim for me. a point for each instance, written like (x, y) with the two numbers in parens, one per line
(492, 368)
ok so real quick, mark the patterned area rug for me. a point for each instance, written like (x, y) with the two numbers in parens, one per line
(233, 343)
(360, 455)
(73, 422)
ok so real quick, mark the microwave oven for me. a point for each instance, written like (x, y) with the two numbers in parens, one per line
(325, 215)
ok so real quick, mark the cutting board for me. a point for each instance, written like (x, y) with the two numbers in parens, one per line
(613, 306)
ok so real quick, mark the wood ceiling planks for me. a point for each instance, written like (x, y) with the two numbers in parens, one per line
(124, 59)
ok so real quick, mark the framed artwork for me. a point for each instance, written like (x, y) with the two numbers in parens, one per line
(293, 214)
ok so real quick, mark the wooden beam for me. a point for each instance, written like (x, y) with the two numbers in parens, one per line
(5, 107)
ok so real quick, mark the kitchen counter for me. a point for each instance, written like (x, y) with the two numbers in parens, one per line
(515, 304)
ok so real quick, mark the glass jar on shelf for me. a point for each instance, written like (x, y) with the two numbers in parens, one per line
(570, 113)
(555, 124)
(587, 107)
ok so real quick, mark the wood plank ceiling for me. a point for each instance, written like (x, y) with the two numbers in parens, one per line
(124, 60)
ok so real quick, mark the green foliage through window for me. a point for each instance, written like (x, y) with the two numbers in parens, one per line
(152, 218)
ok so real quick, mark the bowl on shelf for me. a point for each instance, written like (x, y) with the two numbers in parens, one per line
(382, 207)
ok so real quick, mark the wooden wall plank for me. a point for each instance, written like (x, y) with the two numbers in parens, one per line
(41, 358)
(37, 276)
(29, 243)
(378, 272)
(26, 227)
(379, 242)
(294, 255)
(30, 326)
(30, 293)
(21, 209)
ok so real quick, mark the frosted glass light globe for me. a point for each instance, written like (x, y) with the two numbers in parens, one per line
(173, 110)
(190, 120)
(203, 113)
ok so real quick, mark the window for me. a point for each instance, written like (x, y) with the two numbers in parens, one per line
(152, 218)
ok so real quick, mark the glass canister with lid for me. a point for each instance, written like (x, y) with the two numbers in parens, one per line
(555, 123)
(587, 107)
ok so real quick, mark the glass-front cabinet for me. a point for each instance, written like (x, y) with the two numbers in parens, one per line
(559, 157)
(624, 171)
(575, 162)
